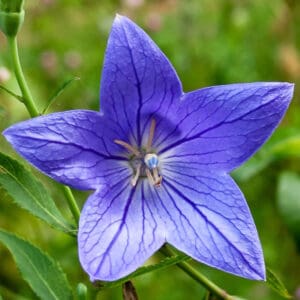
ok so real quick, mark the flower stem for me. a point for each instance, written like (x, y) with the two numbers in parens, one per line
(33, 111)
(27, 98)
(72, 203)
(196, 275)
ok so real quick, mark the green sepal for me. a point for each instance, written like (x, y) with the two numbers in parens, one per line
(11, 5)
(276, 284)
(11, 22)
(166, 262)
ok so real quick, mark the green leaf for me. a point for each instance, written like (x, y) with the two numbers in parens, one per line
(252, 167)
(10, 294)
(30, 194)
(289, 201)
(287, 147)
(2, 111)
(41, 272)
(58, 92)
(166, 262)
(276, 284)
(19, 98)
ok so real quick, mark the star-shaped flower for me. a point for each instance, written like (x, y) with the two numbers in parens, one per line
(158, 161)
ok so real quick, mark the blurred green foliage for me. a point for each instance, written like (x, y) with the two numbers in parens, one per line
(209, 43)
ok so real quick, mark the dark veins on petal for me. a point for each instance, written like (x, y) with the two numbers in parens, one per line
(138, 78)
(189, 136)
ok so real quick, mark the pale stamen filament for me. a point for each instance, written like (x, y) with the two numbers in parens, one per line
(151, 135)
(128, 147)
(150, 177)
(154, 179)
(136, 176)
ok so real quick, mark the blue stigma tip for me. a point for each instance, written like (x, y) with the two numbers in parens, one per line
(151, 160)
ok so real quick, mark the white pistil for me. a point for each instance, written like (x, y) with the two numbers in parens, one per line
(151, 135)
(128, 147)
(136, 176)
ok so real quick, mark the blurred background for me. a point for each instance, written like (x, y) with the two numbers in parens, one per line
(209, 43)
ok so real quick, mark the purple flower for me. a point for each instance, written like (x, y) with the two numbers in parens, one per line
(158, 161)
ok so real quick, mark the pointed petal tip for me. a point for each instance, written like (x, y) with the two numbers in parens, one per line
(288, 90)
(94, 278)
(258, 271)
(260, 275)
(7, 133)
(282, 86)
(100, 277)
(120, 19)
(4, 132)
(289, 85)
(257, 275)
(286, 85)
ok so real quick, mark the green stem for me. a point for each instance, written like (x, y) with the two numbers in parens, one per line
(72, 203)
(196, 275)
(27, 98)
(33, 111)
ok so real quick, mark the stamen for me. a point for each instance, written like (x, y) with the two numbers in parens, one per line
(128, 147)
(151, 135)
(144, 162)
(136, 176)
(154, 179)
(149, 176)
(157, 178)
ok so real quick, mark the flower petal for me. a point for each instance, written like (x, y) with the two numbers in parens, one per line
(208, 218)
(75, 147)
(138, 82)
(223, 126)
(118, 231)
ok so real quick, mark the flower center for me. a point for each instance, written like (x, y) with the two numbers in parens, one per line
(143, 161)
